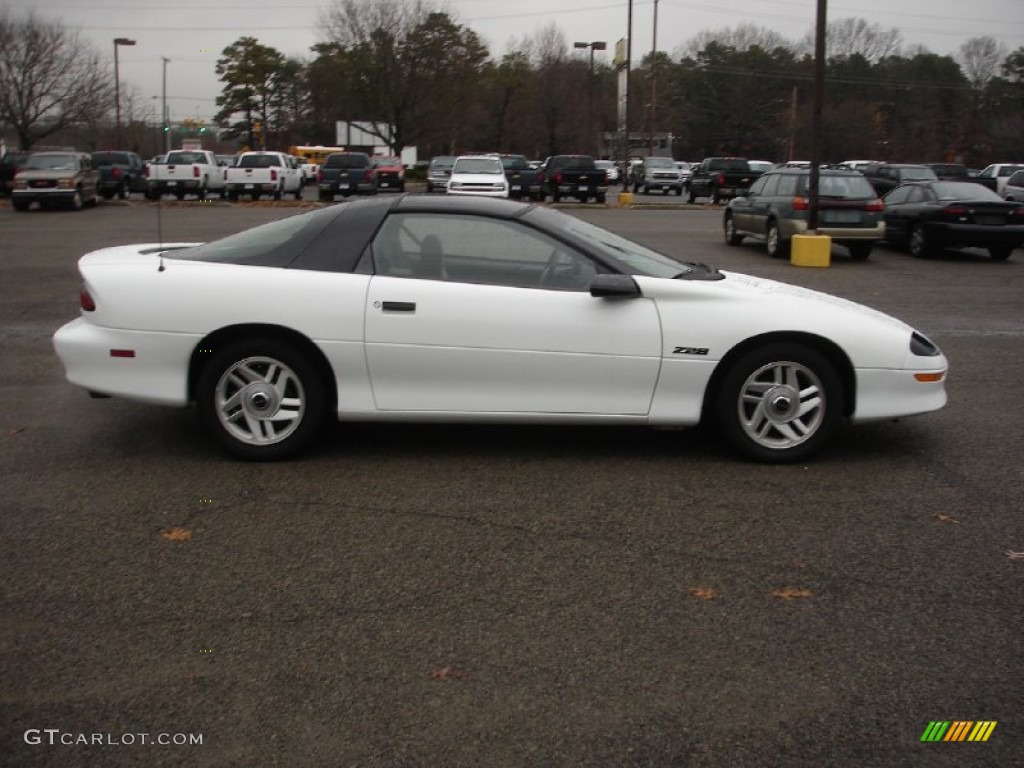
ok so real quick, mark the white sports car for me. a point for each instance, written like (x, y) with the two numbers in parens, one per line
(422, 308)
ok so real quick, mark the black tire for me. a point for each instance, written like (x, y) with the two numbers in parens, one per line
(600, 199)
(77, 202)
(151, 195)
(556, 196)
(21, 205)
(232, 196)
(859, 251)
(777, 247)
(259, 375)
(679, 192)
(124, 190)
(202, 193)
(298, 193)
(732, 237)
(326, 197)
(255, 196)
(691, 197)
(918, 243)
(180, 195)
(277, 194)
(1000, 254)
(715, 199)
(107, 195)
(636, 188)
(779, 403)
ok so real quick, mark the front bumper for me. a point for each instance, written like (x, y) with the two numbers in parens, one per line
(42, 195)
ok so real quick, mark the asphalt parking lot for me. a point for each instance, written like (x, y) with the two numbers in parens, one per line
(433, 596)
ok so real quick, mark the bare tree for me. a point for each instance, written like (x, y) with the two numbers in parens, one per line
(856, 37)
(51, 79)
(742, 38)
(980, 58)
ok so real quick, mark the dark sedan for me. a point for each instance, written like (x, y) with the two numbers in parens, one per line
(928, 216)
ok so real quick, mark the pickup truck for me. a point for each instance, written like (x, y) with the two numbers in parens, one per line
(184, 172)
(523, 181)
(346, 173)
(121, 173)
(390, 172)
(656, 173)
(721, 178)
(574, 176)
(264, 173)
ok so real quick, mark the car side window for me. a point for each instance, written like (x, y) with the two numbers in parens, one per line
(787, 185)
(916, 195)
(473, 249)
(770, 186)
(758, 186)
(897, 196)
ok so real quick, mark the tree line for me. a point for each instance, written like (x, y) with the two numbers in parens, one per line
(408, 65)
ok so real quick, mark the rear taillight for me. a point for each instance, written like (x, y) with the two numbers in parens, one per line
(145, 171)
(604, 179)
(85, 301)
(195, 171)
(954, 211)
(273, 175)
(800, 204)
(115, 172)
(720, 181)
(370, 174)
(320, 175)
(875, 206)
(558, 177)
(1017, 214)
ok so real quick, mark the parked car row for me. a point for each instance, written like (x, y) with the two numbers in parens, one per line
(924, 215)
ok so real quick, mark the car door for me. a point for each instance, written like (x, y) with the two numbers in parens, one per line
(742, 207)
(903, 208)
(468, 314)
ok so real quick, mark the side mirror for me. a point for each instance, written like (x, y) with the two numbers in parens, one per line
(614, 287)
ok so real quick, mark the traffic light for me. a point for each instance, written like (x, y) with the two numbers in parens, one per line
(167, 128)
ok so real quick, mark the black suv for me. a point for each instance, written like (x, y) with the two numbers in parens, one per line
(885, 177)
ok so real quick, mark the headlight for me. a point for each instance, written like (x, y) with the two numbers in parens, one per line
(922, 346)
(65, 183)
(20, 184)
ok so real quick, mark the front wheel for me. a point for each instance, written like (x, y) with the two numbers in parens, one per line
(919, 246)
(261, 399)
(732, 237)
(779, 403)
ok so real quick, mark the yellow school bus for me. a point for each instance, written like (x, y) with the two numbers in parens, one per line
(313, 154)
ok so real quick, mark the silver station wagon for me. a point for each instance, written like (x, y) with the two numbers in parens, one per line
(777, 206)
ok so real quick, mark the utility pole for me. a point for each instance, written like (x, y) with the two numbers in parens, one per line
(167, 126)
(654, 79)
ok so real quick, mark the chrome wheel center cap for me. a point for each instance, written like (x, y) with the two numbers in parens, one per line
(261, 401)
(780, 403)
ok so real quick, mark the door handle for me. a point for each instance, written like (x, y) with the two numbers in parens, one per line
(398, 306)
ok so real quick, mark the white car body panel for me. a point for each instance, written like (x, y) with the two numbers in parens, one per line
(471, 351)
(512, 349)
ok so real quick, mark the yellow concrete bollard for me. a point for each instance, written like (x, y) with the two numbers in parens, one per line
(625, 198)
(811, 251)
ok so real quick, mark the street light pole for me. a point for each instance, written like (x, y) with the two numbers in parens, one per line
(118, 41)
(599, 45)
(654, 77)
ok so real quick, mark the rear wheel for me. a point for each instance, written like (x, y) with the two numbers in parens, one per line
(859, 251)
(779, 403)
(777, 247)
(261, 399)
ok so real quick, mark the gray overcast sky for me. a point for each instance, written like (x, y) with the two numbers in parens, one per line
(192, 33)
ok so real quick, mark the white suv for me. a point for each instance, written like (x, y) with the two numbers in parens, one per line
(478, 175)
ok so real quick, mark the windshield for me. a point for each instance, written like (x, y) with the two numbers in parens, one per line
(386, 161)
(347, 161)
(515, 163)
(110, 158)
(963, 190)
(851, 187)
(917, 174)
(185, 158)
(660, 162)
(51, 163)
(489, 165)
(639, 259)
(443, 163)
(255, 161)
